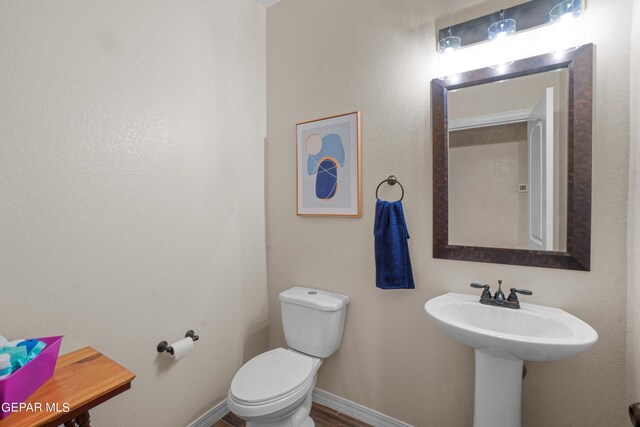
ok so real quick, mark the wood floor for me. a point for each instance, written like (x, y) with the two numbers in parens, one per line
(323, 417)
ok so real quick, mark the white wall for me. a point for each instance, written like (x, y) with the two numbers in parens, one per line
(377, 56)
(633, 296)
(131, 175)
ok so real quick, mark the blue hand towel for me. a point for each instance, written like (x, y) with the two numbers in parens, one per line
(393, 264)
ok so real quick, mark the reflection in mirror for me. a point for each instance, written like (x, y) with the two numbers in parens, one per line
(508, 163)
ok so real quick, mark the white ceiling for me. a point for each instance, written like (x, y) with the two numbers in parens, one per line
(267, 3)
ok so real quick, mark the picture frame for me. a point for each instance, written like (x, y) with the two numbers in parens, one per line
(328, 167)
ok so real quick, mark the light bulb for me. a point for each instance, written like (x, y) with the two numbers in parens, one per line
(565, 17)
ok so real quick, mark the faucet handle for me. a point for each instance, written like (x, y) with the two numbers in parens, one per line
(513, 297)
(521, 291)
(485, 293)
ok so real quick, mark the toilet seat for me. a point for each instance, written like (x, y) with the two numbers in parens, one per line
(272, 376)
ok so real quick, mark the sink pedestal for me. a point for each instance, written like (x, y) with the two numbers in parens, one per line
(498, 391)
(502, 338)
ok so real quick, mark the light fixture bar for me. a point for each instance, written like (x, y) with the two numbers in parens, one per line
(528, 15)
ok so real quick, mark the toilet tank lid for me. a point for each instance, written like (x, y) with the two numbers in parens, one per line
(314, 298)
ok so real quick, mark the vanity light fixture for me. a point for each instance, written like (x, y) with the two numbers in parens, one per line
(503, 28)
(499, 36)
(531, 28)
(447, 58)
(565, 18)
(449, 43)
(565, 10)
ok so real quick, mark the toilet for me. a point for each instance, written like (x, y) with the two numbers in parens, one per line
(274, 388)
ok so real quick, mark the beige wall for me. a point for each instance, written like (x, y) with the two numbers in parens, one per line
(377, 56)
(131, 175)
(633, 315)
(508, 95)
(486, 165)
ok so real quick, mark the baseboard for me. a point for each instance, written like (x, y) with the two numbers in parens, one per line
(322, 397)
(355, 410)
(212, 416)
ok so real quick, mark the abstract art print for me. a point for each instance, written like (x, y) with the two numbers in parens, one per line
(328, 157)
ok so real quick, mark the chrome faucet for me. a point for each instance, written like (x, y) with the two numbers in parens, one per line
(498, 299)
(499, 296)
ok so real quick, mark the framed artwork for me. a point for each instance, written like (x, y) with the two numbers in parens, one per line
(329, 180)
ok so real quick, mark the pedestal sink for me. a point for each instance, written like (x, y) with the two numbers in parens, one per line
(503, 338)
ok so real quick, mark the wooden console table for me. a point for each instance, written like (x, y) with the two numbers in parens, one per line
(83, 379)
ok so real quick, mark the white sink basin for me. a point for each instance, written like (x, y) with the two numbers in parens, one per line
(502, 338)
(534, 332)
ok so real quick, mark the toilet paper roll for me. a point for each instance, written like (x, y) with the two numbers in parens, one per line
(182, 348)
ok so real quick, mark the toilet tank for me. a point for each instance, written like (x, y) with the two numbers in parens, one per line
(313, 320)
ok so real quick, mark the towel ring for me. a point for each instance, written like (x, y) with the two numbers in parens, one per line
(392, 180)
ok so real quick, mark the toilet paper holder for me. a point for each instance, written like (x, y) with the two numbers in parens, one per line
(164, 346)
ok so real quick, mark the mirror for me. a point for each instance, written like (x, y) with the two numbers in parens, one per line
(508, 163)
(512, 163)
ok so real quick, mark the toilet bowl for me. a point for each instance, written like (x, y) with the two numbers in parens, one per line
(274, 388)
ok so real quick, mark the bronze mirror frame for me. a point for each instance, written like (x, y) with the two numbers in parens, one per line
(578, 249)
